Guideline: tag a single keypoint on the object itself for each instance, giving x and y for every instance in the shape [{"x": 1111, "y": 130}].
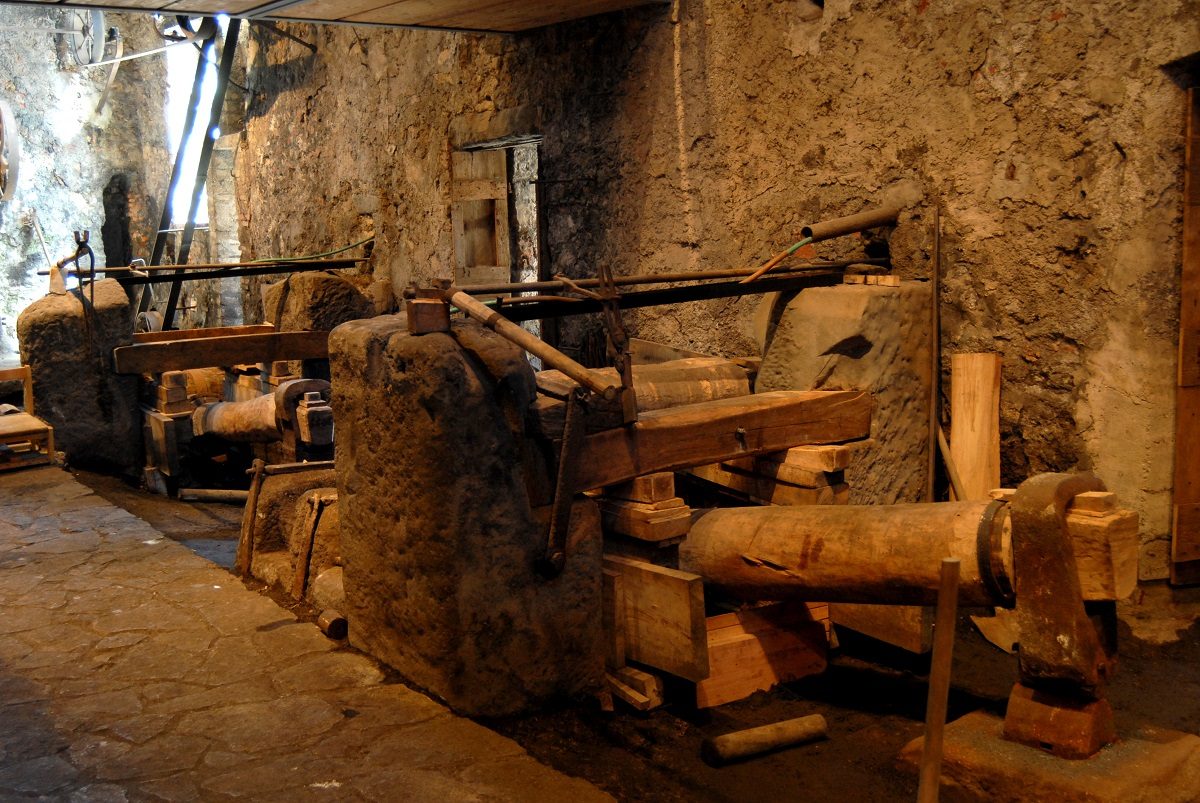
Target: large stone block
[
  {"x": 315, "y": 301},
  {"x": 68, "y": 343},
  {"x": 439, "y": 540},
  {"x": 860, "y": 337}
]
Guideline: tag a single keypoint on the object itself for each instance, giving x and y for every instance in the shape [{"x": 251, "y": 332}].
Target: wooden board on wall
[
  {"x": 479, "y": 216},
  {"x": 1185, "y": 539},
  {"x": 975, "y": 421}
]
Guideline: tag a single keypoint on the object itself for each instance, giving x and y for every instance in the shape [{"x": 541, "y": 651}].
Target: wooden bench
[{"x": 25, "y": 439}]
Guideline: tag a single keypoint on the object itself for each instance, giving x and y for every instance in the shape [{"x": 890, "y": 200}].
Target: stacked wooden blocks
[
  {"x": 646, "y": 509},
  {"x": 803, "y": 475}
]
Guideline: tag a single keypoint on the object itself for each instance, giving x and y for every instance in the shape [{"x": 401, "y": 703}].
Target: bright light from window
[{"x": 181, "y": 72}]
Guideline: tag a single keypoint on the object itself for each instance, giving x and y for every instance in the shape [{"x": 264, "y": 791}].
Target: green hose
[{"x": 318, "y": 256}]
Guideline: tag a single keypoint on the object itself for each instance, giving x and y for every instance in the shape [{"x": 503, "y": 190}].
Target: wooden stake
[
  {"x": 245, "y": 550},
  {"x": 935, "y": 354},
  {"x": 939, "y": 682}
]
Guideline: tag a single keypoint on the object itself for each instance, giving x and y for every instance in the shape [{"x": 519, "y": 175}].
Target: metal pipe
[
  {"x": 192, "y": 276},
  {"x": 531, "y": 343},
  {"x": 298, "y": 265},
  {"x": 839, "y": 227}
]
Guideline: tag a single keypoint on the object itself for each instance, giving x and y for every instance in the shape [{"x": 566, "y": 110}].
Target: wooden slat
[
  {"x": 742, "y": 663},
  {"x": 663, "y": 616},
  {"x": 208, "y": 352},
  {"x": 975, "y": 421},
  {"x": 696, "y": 434},
  {"x": 195, "y": 334},
  {"x": 328, "y": 9},
  {"x": 1185, "y": 538},
  {"x": 16, "y": 425}
]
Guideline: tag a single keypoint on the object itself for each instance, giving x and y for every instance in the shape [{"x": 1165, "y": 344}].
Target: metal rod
[
  {"x": 530, "y": 342},
  {"x": 228, "y": 50},
  {"x": 839, "y": 227},
  {"x": 658, "y": 278},
  {"x": 673, "y": 295},
  {"x": 194, "y": 275},
  {"x": 935, "y": 355},
  {"x": 939, "y": 682},
  {"x": 296, "y": 264}
]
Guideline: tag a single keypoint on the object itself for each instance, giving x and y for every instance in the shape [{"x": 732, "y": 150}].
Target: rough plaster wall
[
  {"x": 69, "y": 152},
  {"x": 704, "y": 135}
]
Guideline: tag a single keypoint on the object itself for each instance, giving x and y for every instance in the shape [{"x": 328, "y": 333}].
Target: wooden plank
[
  {"x": 645, "y": 521},
  {"x": 696, "y": 434},
  {"x": 497, "y": 15},
  {"x": 16, "y": 425},
  {"x": 612, "y": 611},
  {"x": 639, "y": 689},
  {"x": 194, "y": 334},
  {"x": 1185, "y": 530},
  {"x": 649, "y": 352},
  {"x": 909, "y": 627},
  {"x": 782, "y": 472},
  {"x": 208, "y": 352},
  {"x": 663, "y": 617},
  {"x": 975, "y": 421},
  {"x": 328, "y": 9}
]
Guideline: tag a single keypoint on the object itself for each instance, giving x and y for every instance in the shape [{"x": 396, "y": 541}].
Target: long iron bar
[
  {"x": 294, "y": 264},
  {"x": 671, "y": 295},
  {"x": 657, "y": 278},
  {"x": 232, "y": 273}
]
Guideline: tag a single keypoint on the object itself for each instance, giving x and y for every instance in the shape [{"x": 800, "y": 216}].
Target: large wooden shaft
[
  {"x": 883, "y": 554},
  {"x": 251, "y": 421}
]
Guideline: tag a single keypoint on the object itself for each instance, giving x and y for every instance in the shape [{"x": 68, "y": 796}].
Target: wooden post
[
  {"x": 975, "y": 422},
  {"x": 1185, "y": 539},
  {"x": 935, "y": 355},
  {"x": 245, "y": 549},
  {"x": 939, "y": 682}
]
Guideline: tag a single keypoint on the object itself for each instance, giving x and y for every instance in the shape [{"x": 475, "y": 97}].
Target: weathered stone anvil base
[{"x": 1147, "y": 764}]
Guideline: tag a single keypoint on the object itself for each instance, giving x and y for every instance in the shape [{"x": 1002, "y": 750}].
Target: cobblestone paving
[{"x": 132, "y": 669}]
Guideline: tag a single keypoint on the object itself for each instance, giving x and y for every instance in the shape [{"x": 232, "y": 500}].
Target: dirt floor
[{"x": 872, "y": 696}]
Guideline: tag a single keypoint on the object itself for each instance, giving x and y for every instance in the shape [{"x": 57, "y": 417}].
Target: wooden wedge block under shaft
[
  {"x": 754, "y": 650},
  {"x": 771, "y": 492},
  {"x": 657, "y": 487},
  {"x": 646, "y": 521},
  {"x": 834, "y": 457}
]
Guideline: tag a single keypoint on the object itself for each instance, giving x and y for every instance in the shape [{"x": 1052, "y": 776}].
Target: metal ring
[{"x": 988, "y": 547}]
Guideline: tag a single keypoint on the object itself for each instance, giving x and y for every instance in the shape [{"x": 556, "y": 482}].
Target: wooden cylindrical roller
[
  {"x": 753, "y": 741},
  {"x": 885, "y": 554}
]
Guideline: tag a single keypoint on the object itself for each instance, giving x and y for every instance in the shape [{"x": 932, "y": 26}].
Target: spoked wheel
[
  {"x": 10, "y": 153},
  {"x": 86, "y": 40}
]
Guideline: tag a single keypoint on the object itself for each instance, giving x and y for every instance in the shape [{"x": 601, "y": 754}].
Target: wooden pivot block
[
  {"x": 835, "y": 457},
  {"x": 782, "y": 472},
  {"x": 753, "y": 650},
  {"x": 657, "y": 487},
  {"x": 646, "y": 521},
  {"x": 771, "y": 492},
  {"x": 427, "y": 315},
  {"x": 1067, "y": 728}
]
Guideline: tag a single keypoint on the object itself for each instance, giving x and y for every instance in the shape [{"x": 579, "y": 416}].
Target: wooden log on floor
[
  {"x": 696, "y": 434},
  {"x": 755, "y": 741}
]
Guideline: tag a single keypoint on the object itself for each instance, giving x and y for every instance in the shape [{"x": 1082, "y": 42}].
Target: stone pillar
[
  {"x": 68, "y": 348},
  {"x": 439, "y": 540},
  {"x": 871, "y": 338}
]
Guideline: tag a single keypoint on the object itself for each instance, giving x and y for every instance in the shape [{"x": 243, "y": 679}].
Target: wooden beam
[
  {"x": 696, "y": 434},
  {"x": 1185, "y": 538},
  {"x": 195, "y": 334},
  {"x": 975, "y": 422},
  {"x": 208, "y": 352}
]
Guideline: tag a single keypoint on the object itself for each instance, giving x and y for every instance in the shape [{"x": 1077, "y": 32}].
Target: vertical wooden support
[
  {"x": 1185, "y": 541},
  {"x": 975, "y": 422},
  {"x": 939, "y": 682}
]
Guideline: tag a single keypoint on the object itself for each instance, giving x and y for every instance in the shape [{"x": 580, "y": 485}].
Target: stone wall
[
  {"x": 70, "y": 153},
  {"x": 705, "y": 133}
]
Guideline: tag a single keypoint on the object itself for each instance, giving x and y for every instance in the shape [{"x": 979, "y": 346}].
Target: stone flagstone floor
[{"x": 132, "y": 669}]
